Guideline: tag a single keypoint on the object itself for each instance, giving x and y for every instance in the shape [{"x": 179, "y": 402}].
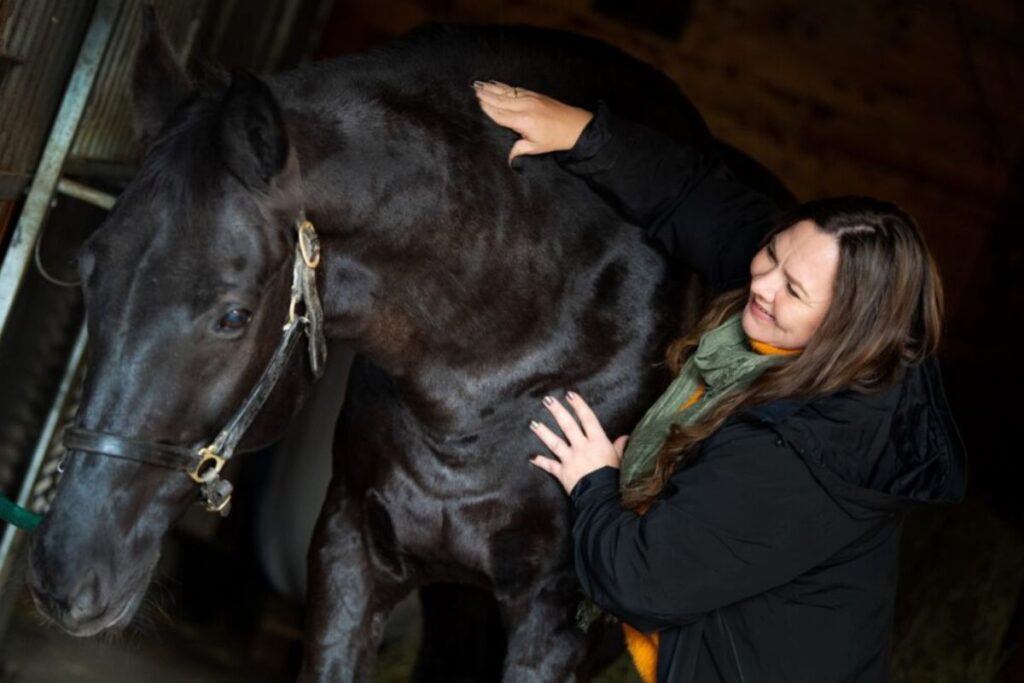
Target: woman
[{"x": 750, "y": 530}]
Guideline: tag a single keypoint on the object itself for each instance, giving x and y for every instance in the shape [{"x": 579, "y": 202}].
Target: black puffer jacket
[{"x": 773, "y": 555}]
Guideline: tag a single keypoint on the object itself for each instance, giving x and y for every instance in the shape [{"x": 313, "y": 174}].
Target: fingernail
[
  {"x": 548, "y": 400},
  {"x": 478, "y": 84},
  {"x": 571, "y": 395},
  {"x": 534, "y": 424}
]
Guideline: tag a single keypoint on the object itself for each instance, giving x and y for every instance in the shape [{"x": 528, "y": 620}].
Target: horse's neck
[
  {"x": 439, "y": 278},
  {"x": 407, "y": 270}
]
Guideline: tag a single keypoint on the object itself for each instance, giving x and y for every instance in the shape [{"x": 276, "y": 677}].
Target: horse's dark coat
[{"x": 469, "y": 289}]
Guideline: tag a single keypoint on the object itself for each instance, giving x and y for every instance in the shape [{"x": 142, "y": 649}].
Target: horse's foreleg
[
  {"x": 544, "y": 643},
  {"x": 348, "y": 602}
]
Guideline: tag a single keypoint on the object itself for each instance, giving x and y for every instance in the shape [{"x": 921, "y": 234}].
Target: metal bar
[
  {"x": 190, "y": 37},
  {"x": 42, "y": 446},
  {"x": 285, "y": 24},
  {"x": 88, "y": 194},
  {"x": 19, "y": 253}
]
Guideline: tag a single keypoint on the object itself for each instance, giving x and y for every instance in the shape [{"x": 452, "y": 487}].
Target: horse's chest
[
  {"x": 467, "y": 506},
  {"x": 498, "y": 530}
]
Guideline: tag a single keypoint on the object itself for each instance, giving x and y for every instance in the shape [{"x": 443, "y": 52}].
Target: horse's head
[{"x": 187, "y": 287}]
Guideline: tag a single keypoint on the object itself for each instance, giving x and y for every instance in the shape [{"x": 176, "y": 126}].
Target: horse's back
[{"x": 568, "y": 66}]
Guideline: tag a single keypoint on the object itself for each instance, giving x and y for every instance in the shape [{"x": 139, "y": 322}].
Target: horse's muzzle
[{"x": 83, "y": 603}]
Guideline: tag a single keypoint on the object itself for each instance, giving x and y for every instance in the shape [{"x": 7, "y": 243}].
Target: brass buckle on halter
[
  {"x": 210, "y": 507},
  {"x": 209, "y": 462},
  {"x": 309, "y": 244}
]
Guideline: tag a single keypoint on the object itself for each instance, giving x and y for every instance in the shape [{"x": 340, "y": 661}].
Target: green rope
[{"x": 17, "y": 515}]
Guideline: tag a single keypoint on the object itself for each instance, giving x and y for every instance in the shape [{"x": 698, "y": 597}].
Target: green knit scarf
[{"x": 723, "y": 364}]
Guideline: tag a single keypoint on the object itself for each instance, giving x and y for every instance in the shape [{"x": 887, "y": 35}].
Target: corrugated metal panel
[
  {"x": 41, "y": 39},
  {"x": 106, "y": 133}
]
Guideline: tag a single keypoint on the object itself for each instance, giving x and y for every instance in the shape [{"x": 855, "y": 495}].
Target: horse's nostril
[{"x": 86, "y": 601}]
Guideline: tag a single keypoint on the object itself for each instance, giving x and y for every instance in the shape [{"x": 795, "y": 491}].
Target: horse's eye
[{"x": 235, "y": 319}]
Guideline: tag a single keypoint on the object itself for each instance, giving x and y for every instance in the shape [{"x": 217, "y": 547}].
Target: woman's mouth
[{"x": 760, "y": 312}]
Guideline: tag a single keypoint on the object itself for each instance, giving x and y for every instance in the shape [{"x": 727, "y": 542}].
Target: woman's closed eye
[{"x": 770, "y": 251}]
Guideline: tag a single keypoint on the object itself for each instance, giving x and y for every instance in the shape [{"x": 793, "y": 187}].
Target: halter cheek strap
[{"x": 203, "y": 464}]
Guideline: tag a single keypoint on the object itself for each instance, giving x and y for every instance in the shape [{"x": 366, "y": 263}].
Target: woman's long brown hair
[{"x": 886, "y": 313}]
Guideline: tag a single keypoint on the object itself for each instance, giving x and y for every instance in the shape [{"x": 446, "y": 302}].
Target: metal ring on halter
[
  {"x": 309, "y": 244},
  {"x": 209, "y": 462}
]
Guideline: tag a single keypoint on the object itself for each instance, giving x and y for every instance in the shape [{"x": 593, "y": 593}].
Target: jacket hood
[{"x": 882, "y": 451}]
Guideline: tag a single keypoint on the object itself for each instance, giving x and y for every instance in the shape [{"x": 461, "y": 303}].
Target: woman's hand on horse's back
[
  {"x": 544, "y": 124},
  {"x": 585, "y": 447}
]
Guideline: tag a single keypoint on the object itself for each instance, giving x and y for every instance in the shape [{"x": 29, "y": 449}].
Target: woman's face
[{"x": 791, "y": 286}]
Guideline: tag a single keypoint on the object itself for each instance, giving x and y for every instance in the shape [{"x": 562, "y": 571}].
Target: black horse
[{"x": 469, "y": 290}]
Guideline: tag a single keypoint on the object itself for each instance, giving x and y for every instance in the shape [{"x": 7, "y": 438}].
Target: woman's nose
[
  {"x": 760, "y": 289},
  {"x": 764, "y": 285}
]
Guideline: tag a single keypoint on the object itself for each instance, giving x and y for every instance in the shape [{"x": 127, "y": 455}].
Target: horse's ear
[
  {"x": 254, "y": 143},
  {"x": 159, "y": 84}
]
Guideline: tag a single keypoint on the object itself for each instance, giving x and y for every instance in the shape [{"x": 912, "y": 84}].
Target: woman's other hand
[
  {"x": 585, "y": 447},
  {"x": 544, "y": 124}
]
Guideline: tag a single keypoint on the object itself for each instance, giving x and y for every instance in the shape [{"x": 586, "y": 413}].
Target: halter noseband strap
[{"x": 204, "y": 464}]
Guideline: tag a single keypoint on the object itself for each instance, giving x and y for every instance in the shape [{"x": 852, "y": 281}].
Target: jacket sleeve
[
  {"x": 686, "y": 199},
  {"x": 743, "y": 519}
]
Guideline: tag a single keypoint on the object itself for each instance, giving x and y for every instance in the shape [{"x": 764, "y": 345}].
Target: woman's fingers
[
  {"x": 591, "y": 425},
  {"x": 549, "y": 465},
  {"x": 506, "y": 101},
  {"x": 495, "y": 87},
  {"x": 506, "y": 96},
  {"x": 566, "y": 422},
  {"x": 554, "y": 443},
  {"x": 498, "y": 103},
  {"x": 503, "y": 111},
  {"x": 505, "y": 118},
  {"x": 500, "y": 115},
  {"x": 502, "y": 89},
  {"x": 522, "y": 146}
]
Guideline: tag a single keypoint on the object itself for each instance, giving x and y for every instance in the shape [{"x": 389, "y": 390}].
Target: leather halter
[{"x": 204, "y": 464}]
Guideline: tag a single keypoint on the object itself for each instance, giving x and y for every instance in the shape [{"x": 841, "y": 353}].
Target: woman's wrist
[
  {"x": 576, "y": 122},
  {"x": 606, "y": 475},
  {"x": 591, "y": 139}
]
